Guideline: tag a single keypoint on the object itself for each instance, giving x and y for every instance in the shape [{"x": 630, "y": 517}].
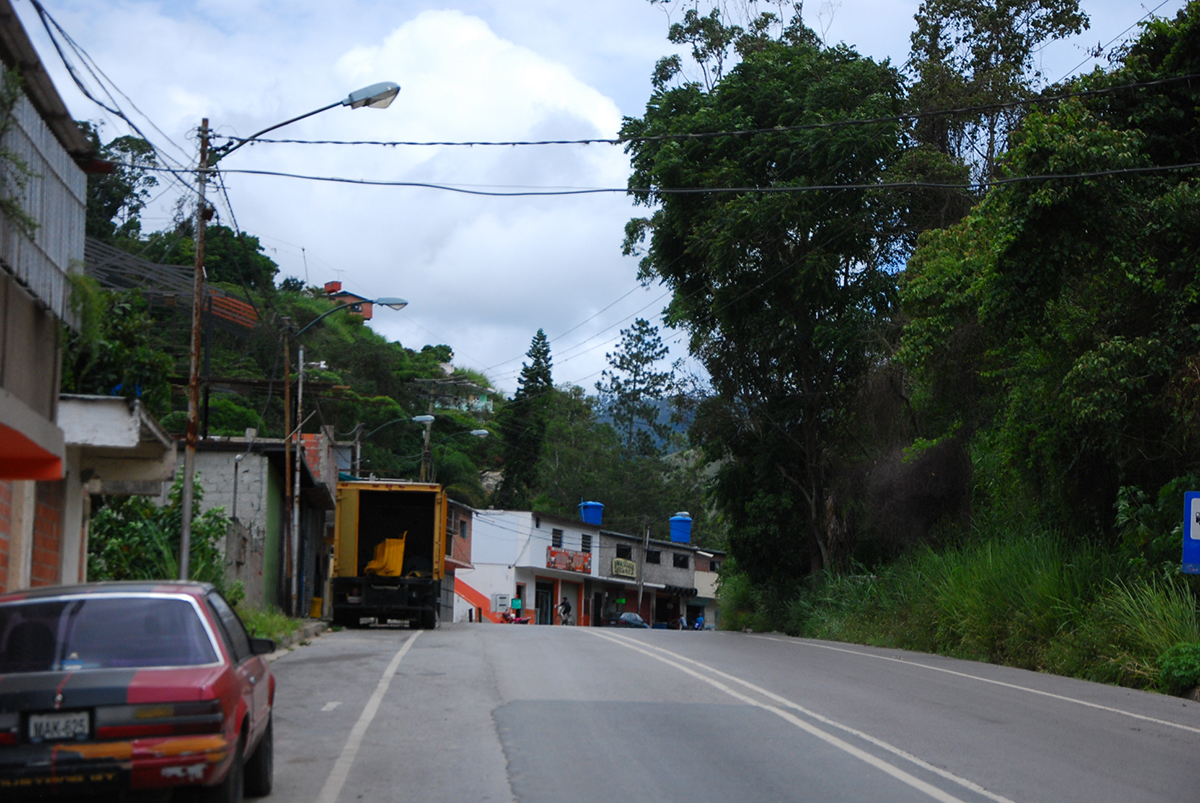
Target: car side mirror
[{"x": 262, "y": 646}]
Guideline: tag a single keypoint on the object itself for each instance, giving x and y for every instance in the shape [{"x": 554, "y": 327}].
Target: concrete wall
[{"x": 257, "y": 510}]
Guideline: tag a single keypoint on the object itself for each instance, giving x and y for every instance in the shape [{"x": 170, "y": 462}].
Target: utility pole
[
  {"x": 642, "y": 567},
  {"x": 426, "y": 455},
  {"x": 193, "y": 415},
  {"x": 287, "y": 452},
  {"x": 295, "y": 562}
]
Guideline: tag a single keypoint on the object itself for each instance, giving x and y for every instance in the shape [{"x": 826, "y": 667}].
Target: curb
[{"x": 301, "y": 636}]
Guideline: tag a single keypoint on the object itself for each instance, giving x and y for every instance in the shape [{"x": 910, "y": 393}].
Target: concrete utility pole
[
  {"x": 193, "y": 414},
  {"x": 642, "y": 568}
]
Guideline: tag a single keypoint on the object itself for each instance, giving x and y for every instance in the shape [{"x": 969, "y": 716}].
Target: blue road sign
[{"x": 1191, "y": 532}]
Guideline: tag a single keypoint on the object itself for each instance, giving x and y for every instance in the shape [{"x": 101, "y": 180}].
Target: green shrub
[
  {"x": 132, "y": 538},
  {"x": 1179, "y": 667}
]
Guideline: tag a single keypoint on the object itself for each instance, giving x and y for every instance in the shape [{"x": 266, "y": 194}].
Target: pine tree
[
  {"x": 523, "y": 427},
  {"x": 633, "y": 389}
]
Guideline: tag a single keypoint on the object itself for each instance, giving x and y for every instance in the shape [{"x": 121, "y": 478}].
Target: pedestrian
[
  {"x": 683, "y": 622},
  {"x": 564, "y": 611},
  {"x": 700, "y": 622}
]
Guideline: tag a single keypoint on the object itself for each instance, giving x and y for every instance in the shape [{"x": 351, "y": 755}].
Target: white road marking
[
  {"x": 341, "y": 768},
  {"x": 974, "y": 787},
  {"x": 1052, "y": 695},
  {"x": 891, "y": 769},
  {"x": 331, "y": 705}
]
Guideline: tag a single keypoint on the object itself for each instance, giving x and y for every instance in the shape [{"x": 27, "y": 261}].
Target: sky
[{"x": 481, "y": 274}]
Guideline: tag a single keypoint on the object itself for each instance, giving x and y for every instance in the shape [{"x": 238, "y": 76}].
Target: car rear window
[{"x": 101, "y": 633}]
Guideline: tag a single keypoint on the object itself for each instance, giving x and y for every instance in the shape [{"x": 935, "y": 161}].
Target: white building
[{"x": 529, "y": 562}]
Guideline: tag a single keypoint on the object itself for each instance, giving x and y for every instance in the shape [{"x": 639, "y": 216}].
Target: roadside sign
[{"x": 1191, "y": 532}]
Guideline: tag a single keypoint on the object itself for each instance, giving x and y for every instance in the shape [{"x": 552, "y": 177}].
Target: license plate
[{"x": 58, "y": 726}]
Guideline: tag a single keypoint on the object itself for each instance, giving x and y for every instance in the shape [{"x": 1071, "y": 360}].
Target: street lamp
[
  {"x": 377, "y": 96},
  {"x": 292, "y": 477},
  {"x": 359, "y": 438}
]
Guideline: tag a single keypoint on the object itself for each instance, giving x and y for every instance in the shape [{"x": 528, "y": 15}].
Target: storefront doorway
[{"x": 544, "y": 600}]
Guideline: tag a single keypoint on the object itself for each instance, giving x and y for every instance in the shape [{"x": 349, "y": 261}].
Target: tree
[
  {"x": 116, "y": 199},
  {"x": 633, "y": 390},
  {"x": 523, "y": 426},
  {"x": 232, "y": 257},
  {"x": 780, "y": 292},
  {"x": 1068, "y": 308},
  {"x": 980, "y": 53},
  {"x": 112, "y": 352}
]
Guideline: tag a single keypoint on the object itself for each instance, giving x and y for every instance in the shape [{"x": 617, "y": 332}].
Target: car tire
[
  {"x": 230, "y": 790},
  {"x": 260, "y": 769}
]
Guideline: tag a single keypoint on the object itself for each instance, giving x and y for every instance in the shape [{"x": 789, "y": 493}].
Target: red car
[{"x": 109, "y": 687}]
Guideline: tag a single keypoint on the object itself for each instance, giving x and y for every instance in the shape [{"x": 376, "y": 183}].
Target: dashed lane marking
[{"x": 341, "y": 768}]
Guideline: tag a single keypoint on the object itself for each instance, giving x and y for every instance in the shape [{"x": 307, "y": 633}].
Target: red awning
[{"x": 22, "y": 459}]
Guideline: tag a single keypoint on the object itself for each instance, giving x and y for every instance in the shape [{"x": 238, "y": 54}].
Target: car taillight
[
  {"x": 163, "y": 719},
  {"x": 9, "y": 727}
]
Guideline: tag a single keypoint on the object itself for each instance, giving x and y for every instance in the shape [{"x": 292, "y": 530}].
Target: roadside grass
[
  {"x": 270, "y": 623},
  {"x": 1030, "y": 599}
]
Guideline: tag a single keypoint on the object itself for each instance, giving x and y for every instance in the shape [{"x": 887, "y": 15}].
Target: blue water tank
[
  {"x": 681, "y": 528},
  {"x": 591, "y": 512}
]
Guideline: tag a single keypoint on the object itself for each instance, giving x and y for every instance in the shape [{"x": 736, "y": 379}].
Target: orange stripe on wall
[{"x": 476, "y": 599}]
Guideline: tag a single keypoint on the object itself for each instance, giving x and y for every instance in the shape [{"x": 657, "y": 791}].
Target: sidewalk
[{"x": 310, "y": 629}]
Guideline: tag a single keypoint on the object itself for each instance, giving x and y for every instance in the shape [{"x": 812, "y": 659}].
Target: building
[
  {"x": 34, "y": 303},
  {"x": 528, "y": 562},
  {"x": 248, "y": 478},
  {"x": 362, "y": 307},
  {"x": 459, "y": 519}
]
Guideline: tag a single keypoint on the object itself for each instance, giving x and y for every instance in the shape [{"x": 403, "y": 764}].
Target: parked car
[
  {"x": 132, "y": 686},
  {"x": 630, "y": 619}
]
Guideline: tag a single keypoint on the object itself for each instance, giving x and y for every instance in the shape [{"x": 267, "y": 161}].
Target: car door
[{"x": 251, "y": 668}]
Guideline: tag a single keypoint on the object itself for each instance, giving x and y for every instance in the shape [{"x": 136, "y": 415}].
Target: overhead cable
[{"x": 830, "y": 124}]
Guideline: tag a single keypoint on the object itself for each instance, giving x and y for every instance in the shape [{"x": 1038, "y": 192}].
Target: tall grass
[{"x": 1030, "y": 599}]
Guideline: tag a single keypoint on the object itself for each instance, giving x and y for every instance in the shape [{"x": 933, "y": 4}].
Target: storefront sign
[
  {"x": 568, "y": 560},
  {"x": 623, "y": 567}
]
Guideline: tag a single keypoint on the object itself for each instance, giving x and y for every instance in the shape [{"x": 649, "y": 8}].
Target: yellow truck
[{"x": 389, "y": 549}]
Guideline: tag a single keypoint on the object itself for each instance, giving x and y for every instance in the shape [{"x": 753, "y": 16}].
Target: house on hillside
[{"x": 35, "y": 549}]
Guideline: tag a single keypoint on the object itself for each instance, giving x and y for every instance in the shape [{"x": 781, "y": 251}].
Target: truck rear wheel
[{"x": 429, "y": 620}]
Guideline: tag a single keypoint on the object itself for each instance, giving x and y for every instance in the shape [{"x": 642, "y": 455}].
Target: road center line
[
  {"x": 783, "y": 701},
  {"x": 891, "y": 769},
  {"x": 1052, "y": 695},
  {"x": 341, "y": 768}
]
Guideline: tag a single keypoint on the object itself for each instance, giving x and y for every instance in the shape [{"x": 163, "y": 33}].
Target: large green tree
[
  {"x": 633, "y": 389},
  {"x": 780, "y": 291},
  {"x": 523, "y": 426},
  {"x": 1061, "y": 317},
  {"x": 973, "y": 53},
  {"x": 115, "y": 199}
]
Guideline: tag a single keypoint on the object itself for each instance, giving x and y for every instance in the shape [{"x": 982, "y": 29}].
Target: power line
[
  {"x": 657, "y": 191},
  {"x": 830, "y": 124}
]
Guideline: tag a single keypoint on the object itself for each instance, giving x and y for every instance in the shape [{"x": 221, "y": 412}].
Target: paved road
[{"x": 477, "y": 713}]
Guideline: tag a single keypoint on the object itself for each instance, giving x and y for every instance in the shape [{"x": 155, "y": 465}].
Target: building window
[
  {"x": 624, "y": 552},
  {"x": 713, "y": 565},
  {"x": 556, "y": 538},
  {"x": 585, "y": 543},
  {"x": 680, "y": 560},
  {"x": 450, "y": 539},
  {"x": 653, "y": 556}
]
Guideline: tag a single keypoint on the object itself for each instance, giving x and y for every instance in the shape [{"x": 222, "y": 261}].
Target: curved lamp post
[
  {"x": 377, "y": 96},
  {"x": 427, "y": 420},
  {"x": 292, "y": 475}
]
